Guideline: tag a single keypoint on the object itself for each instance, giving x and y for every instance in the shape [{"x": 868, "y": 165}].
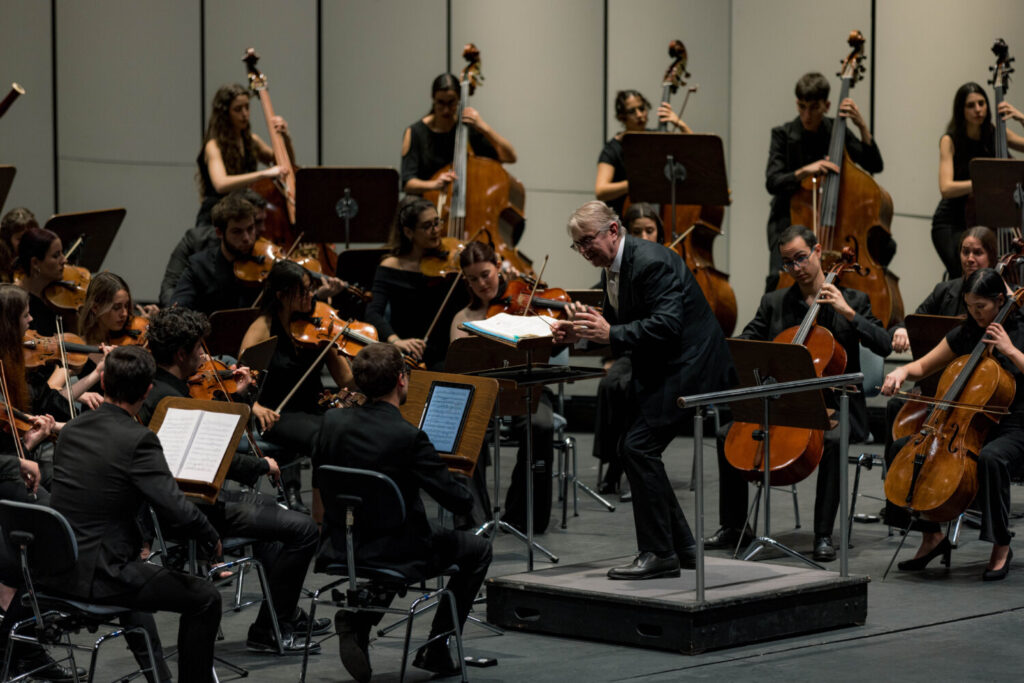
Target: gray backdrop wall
[{"x": 118, "y": 91}]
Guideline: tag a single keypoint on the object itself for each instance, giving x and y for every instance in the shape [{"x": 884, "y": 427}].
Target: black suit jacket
[
  {"x": 946, "y": 299},
  {"x": 106, "y": 466},
  {"x": 664, "y": 323},
  {"x": 377, "y": 437},
  {"x": 208, "y": 284}
]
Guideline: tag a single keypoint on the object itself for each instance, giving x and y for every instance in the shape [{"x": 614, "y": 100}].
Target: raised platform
[{"x": 745, "y": 602}]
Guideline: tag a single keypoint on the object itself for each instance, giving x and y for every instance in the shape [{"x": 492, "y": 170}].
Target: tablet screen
[{"x": 444, "y": 414}]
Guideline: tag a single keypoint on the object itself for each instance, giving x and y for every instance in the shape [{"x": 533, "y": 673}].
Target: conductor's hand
[
  {"x": 588, "y": 323},
  {"x": 265, "y": 417},
  {"x": 831, "y": 296},
  {"x": 893, "y": 381},
  {"x": 900, "y": 340},
  {"x": 563, "y": 333}
]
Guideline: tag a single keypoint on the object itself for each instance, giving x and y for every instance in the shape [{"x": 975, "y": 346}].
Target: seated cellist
[{"x": 846, "y": 313}]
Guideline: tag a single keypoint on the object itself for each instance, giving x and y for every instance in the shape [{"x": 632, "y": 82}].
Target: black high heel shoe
[
  {"x": 944, "y": 548},
  {"x": 998, "y": 574}
]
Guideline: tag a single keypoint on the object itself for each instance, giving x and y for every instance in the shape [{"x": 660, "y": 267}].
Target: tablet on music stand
[{"x": 444, "y": 414}]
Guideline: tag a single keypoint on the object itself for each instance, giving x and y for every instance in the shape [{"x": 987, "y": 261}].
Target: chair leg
[
  {"x": 796, "y": 506},
  {"x": 458, "y": 636}
]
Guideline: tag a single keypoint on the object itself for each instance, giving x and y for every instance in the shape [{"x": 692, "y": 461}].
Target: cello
[
  {"x": 483, "y": 196},
  {"x": 935, "y": 474},
  {"x": 850, "y": 209},
  {"x": 694, "y": 227},
  {"x": 798, "y": 451}
]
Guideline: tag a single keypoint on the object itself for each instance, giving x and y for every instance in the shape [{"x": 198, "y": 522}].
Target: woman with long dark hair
[{"x": 969, "y": 134}]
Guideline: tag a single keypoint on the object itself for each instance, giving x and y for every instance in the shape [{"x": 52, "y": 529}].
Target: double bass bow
[
  {"x": 796, "y": 451},
  {"x": 850, "y": 209},
  {"x": 935, "y": 473}
]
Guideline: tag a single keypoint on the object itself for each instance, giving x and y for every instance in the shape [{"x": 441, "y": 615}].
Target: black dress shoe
[
  {"x": 300, "y": 623},
  {"x": 49, "y": 671},
  {"x": 647, "y": 565},
  {"x": 353, "y": 643},
  {"x": 293, "y": 497},
  {"x": 437, "y": 659},
  {"x": 607, "y": 488},
  {"x": 687, "y": 557},
  {"x": 824, "y": 551},
  {"x": 626, "y": 497},
  {"x": 998, "y": 574},
  {"x": 943, "y": 548},
  {"x": 727, "y": 538},
  {"x": 292, "y": 643}
]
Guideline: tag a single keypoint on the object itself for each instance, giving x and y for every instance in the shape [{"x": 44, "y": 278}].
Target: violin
[
  {"x": 850, "y": 209},
  {"x": 517, "y": 298},
  {"x": 40, "y": 350},
  {"x": 212, "y": 380},
  {"x": 935, "y": 473},
  {"x": 132, "y": 334},
  {"x": 253, "y": 268},
  {"x": 343, "y": 398},
  {"x": 69, "y": 292},
  {"x": 323, "y": 324},
  {"x": 796, "y": 451}
]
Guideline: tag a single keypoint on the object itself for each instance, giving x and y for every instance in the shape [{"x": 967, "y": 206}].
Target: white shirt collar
[{"x": 617, "y": 263}]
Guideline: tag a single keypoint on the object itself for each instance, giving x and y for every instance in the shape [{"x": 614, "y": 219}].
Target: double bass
[
  {"x": 936, "y": 473},
  {"x": 483, "y": 197},
  {"x": 850, "y": 209},
  {"x": 692, "y": 228},
  {"x": 1000, "y": 83},
  {"x": 796, "y": 452}
]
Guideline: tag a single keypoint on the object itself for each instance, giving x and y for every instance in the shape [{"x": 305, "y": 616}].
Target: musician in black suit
[
  {"x": 106, "y": 467},
  {"x": 653, "y": 310},
  {"x": 376, "y": 437},
  {"x": 799, "y": 149},
  {"x": 846, "y": 313}
]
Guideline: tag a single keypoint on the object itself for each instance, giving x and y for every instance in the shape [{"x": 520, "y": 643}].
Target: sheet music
[
  {"x": 443, "y": 416},
  {"x": 514, "y": 327},
  {"x": 175, "y": 434},
  {"x": 208, "y": 446}
]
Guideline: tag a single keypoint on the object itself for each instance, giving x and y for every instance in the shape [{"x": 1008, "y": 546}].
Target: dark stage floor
[{"x": 937, "y": 625}]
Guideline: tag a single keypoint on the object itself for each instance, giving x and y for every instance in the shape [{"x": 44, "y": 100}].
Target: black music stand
[
  {"x": 7, "y": 174},
  {"x": 96, "y": 229},
  {"x": 998, "y": 186},
  {"x": 342, "y": 204},
  {"x": 228, "y": 328},
  {"x": 759, "y": 363},
  {"x": 925, "y": 332},
  {"x": 668, "y": 168}
]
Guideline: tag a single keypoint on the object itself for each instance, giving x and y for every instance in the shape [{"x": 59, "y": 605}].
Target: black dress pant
[
  {"x": 543, "y": 457},
  {"x": 612, "y": 415},
  {"x": 732, "y": 493},
  {"x": 945, "y": 238},
  {"x": 661, "y": 527},
  {"x": 296, "y": 432}
]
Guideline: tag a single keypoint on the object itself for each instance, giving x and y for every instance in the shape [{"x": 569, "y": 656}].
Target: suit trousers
[
  {"x": 732, "y": 491},
  {"x": 661, "y": 527},
  {"x": 613, "y": 394}
]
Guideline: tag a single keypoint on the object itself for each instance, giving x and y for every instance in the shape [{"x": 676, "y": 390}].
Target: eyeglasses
[
  {"x": 429, "y": 225},
  {"x": 798, "y": 262},
  {"x": 584, "y": 243}
]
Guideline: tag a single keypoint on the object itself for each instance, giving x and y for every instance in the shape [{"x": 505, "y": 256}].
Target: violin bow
[
  {"x": 64, "y": 362},
  {"x": 312, "y": 365},
  {"x": 19, "y": 447},
  {"x": 928, "y": 400}
]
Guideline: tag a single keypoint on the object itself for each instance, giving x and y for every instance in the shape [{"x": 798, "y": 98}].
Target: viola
[
  {"x": 254, "y": 267},
  {"x": 448, "y": 264},
  {"x": 517, "y": 298},
  {"x": 850, "y": 209},
  {"x": 483, "y": 195},
  {"x": 40, "y": 350},
  {"x": 132, "y": 334},
  {"x": 343, "y": 398},
  {"x": 212, "y": 380},
  {"x": 69, "y": 292},
  {"x": 935, "y": 473},
  {"x": 796, "y": 451},
  {"x": 22, "y": 421},
  {"x": 323, "y": 324}
]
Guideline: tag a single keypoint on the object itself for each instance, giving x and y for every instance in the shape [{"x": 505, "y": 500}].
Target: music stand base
[
  {"x": 761, "y": 542},
  {"x": 491, "y": 524}
]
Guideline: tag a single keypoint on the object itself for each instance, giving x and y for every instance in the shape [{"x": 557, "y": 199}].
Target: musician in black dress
[
  {"x": 799, "y": 149},
  {"x": 1002, "y": 456},
  {"x": 429, "y": 144},
  {"x": 631, "y": 109},
  {"x": 969, "y": 134}
]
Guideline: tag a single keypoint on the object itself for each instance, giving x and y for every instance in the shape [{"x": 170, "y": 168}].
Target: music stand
[
  {"x": 668, "y": 168},
  {"x": 998, "y": 186},
  {"x": 97, "y": 230},
  {"x": 358, "y": 266},
  {"x": 257, "y": 357},
  {"x": 7, "y": 173},
  {"x": 228, "y": 328},
  {"x": 335, "y": 204},
  {"x": 925, "y": 332},
  {"x": 759, "y": 363}
]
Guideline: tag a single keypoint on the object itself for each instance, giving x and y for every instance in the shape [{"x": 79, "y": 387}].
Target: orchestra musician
[
  {"x": 611, "y": 419},
  {"x": 411, "y": 297},
  {"x": 655, "y": 311},
  {"x": 1002, "y": 456},
  {"x": 231, "y": 152},
  {"x": 969, "y": 134},
  {"x": 846, "y": 313},
  {"x": 41, "y": 258},
  {"x": 106, "y": 466},
  {"x": 12, "y": 226},
  {"x": 287, "y": 293},
  {"x": 798, "y": 150},
  {"x": 486, "y": 283},
  {"x": 428, "y": 145},
  {"x": 631, "y": 108},
  {"x": 287, "y": 539},
  {"x": 202, "y": 237},
  {"x": 375, "y": 436}
]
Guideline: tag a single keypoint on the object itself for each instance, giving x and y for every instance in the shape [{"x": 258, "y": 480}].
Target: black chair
[
  {"x": 370, "y": 502},
  {"x": 46, "y": 547}
]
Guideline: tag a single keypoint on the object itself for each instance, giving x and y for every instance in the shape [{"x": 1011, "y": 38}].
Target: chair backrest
[
  {"x": 52, "y": 548},
  {"x": 873, "y": 367},
  {"x": 381, "y": 508}
]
